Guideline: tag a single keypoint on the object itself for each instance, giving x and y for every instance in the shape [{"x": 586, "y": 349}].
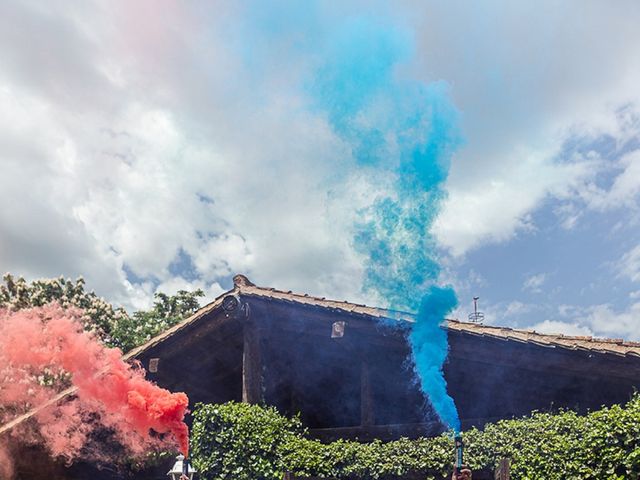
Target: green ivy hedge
[{"x": 247, "y": 442}]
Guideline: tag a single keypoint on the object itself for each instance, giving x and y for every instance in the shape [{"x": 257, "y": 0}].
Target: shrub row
[{"x": 248, "y": 442}]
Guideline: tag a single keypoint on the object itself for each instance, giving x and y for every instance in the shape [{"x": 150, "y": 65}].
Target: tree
[
  {"x": 113, "y": 325},
  {"x": 166, "y": 312}
]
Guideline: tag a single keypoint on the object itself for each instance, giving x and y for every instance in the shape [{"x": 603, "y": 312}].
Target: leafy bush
[
  {"x": 247, "y": 442},
  {"x": 238, "y": 440}
]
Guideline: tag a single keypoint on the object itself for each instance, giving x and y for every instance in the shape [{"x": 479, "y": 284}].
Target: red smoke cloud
[{"x": 47, "y": 345}]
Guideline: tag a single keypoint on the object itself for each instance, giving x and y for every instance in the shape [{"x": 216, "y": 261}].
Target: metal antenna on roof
[{"x": 476, "y": 316}]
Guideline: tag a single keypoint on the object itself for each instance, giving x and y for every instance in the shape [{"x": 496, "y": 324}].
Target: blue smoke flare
[
  {"x": 403, "y": 130},
  {"x": 408, "y": 130}
]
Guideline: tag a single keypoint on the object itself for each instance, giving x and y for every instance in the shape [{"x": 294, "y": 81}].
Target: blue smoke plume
[
  {"x": 409, "y": 131},
  {"x": 404, "y": 130}
]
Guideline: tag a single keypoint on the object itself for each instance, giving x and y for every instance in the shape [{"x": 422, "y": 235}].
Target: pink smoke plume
[{"x": 45, "y": 349}]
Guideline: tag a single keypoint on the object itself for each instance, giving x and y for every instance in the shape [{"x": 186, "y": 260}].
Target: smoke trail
[
  {"x": 407, "y": 131},
  {"x": 44, "y": 350},
  {"x": 401, "y": 134}
]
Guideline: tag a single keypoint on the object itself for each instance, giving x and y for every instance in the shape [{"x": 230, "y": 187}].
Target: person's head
[{"x": 463, "y": 474}]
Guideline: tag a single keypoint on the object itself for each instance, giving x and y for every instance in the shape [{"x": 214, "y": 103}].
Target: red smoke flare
[{"x": 46, "y": 345}]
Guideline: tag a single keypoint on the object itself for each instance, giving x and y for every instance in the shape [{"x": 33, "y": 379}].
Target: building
[{"x": 346, "y": 367}]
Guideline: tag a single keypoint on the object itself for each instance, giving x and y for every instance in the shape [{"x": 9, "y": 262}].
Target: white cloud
[
  {"x": 124, "y": 142},
  {"x": 626, "y": 187},
  {"x": 518, "y": 115},
  {"x": 606, "y": 321},
  {"x": 624, "y": 190},
  {"x": 569, "y": 311},
  {"x": 602, "y": 320},
  {"x": 498, "y": 206},
  {"x": 569, "y": 214},
  {"x": 629, "y": 264},
  {"x": 140, "y": 171},
  {"x": 136, "y": 193},
  {"x": 495, "y": 208},
  {"x": 534, "y": 282},
  {"x": 558, "y": 327},
  {"x": 517, "y": 308}
]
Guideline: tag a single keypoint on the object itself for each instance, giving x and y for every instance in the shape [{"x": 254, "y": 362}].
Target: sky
[{"x": 158, "y": 145}]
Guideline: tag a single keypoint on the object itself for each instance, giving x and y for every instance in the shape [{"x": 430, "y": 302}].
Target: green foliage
[
  {"x": 145, "y": 324},
  {"x": 241, "y": 441},
  {"x": 114, "y": 326},
  {"x": 246, "y": 442}
]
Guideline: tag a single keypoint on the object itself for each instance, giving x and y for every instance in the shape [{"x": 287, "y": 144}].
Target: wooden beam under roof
[
  {"x": 367, "y": 416},
  {"x": 251, "y": 364}
]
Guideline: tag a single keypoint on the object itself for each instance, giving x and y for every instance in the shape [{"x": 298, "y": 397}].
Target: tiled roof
[
  {"x": 614, "y": 346},
  {"x": 245, "y": 287}
]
